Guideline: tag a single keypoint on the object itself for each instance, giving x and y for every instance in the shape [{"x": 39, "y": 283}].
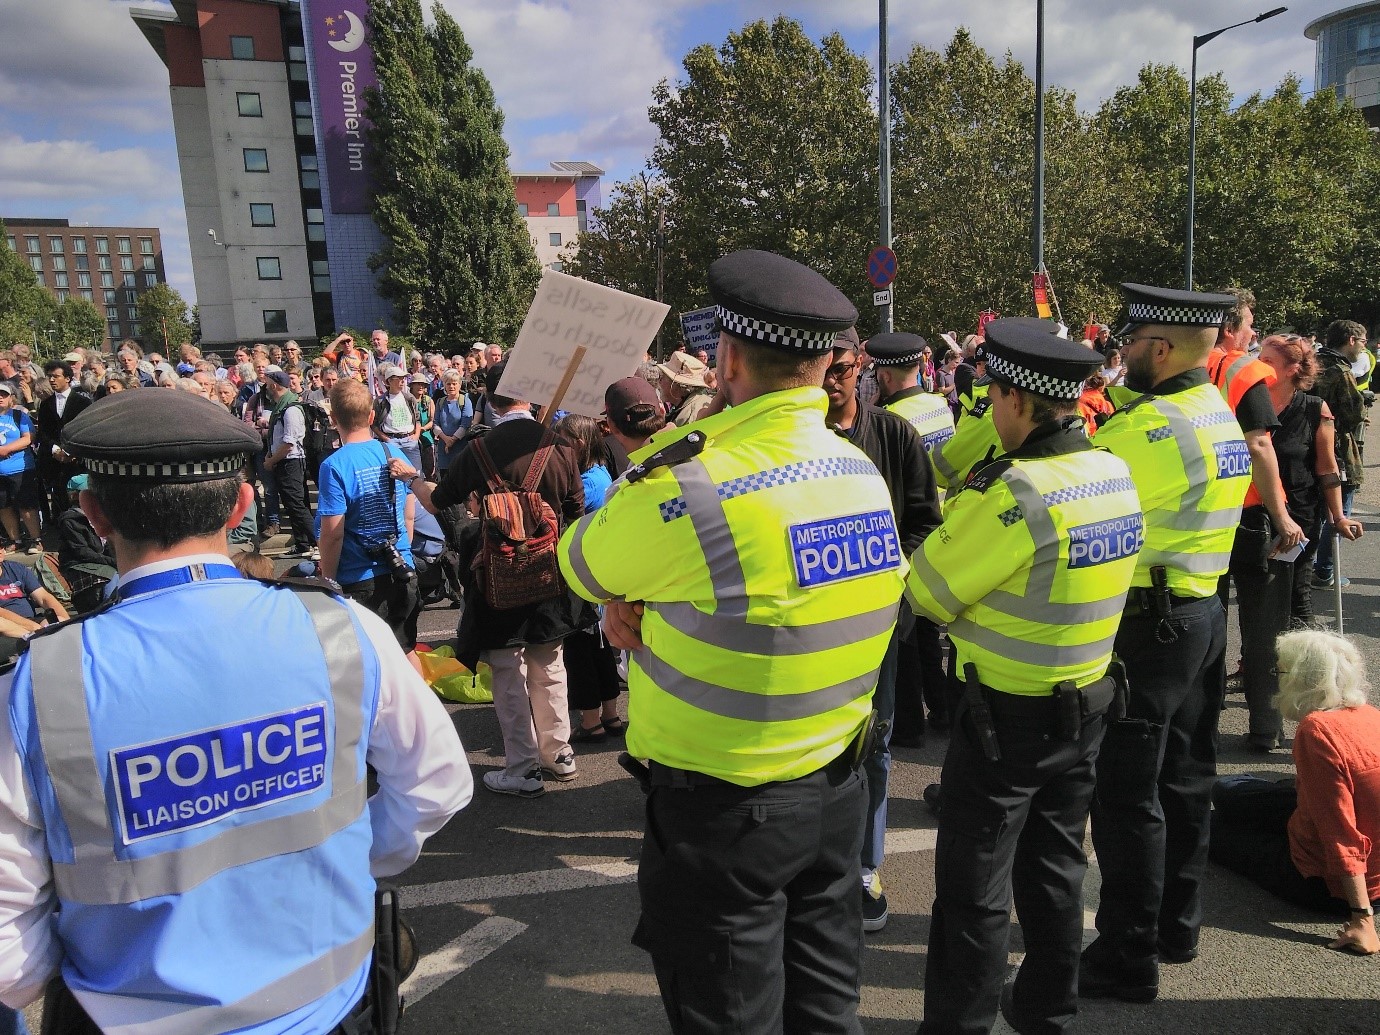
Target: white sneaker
[
  {"x": 562, "y": 769},
  {"x": 501, "y": 782}
]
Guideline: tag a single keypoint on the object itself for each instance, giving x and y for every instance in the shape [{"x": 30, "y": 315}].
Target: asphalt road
[{"x": 524, "y": 909}]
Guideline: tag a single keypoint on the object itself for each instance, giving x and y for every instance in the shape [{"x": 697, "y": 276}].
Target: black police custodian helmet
[
  {"x": 768, "y": 299},
  {"x": 160, "y": 436},
  {"x": 1029, "y": 354}
]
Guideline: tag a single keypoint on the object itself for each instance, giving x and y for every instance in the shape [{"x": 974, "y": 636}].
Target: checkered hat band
[
  {"x": 1191, "y": 315},
  {"x": 170, "y": 472},
  {"x": 1031, "y": 380},
  {"x": 794, "y": 338},
  {"x": 909, "y": 359}
]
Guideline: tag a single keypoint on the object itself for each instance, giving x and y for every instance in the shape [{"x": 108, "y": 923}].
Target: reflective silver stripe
[
  {"x": 1045, "y": 564},
  {"x": 1191, "y": 563},
  {"x": 1047, "y": 612},
  {"x": 1190, "y": 454},
  {"x": 739, "y": 704},
  {"x": 97, "y": 877},
  {"x": 934, "y": 582},
  {"x": 579, "y": 565},
  {"x": 706, "y": 512},
  {"x": 945, "y": 469},
  {"x": 1198, "y": 521},
  {"x": 1044, "y": 654},
  {"x": 732, "y": 633},
  {"x": 304, "y": 985}
]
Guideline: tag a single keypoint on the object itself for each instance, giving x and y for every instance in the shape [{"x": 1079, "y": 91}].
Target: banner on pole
[
  {"x": 1041, "y": 285},
  {"x": 614, "y": 328}
]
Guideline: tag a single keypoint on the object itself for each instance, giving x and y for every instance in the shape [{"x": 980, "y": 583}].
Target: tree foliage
[
  {"x": 770, "y": 141},
  {"x": 26, "y": 309},
  {"x": 457, "y": 263},
  {"x": 163, "y": 315},
  {"x": 79, "y": 324}
]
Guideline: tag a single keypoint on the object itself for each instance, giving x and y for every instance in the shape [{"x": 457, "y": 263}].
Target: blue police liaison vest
[{"x": 204, "y": 800}]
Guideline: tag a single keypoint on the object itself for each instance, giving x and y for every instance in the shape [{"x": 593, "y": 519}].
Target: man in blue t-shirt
[
  {"x": 21, "y": 492},
  {"x": 20, "y": 595},
  {"x": 363, "y": 515}
]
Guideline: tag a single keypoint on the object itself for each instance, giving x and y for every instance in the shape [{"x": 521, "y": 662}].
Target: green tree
[
  {"x": 79, "y": 325},
  {"x": 26, "y": 309},
  {"x": 457, "y": 263},
  {"x": 769, "y": 142},
  {"x": 163, "y": 315}
]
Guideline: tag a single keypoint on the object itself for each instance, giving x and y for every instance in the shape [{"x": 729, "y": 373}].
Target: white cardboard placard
[{"x": 700, "y": 330}]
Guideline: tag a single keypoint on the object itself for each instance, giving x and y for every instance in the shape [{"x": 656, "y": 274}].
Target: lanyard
[{"x": 177, "y": 577}]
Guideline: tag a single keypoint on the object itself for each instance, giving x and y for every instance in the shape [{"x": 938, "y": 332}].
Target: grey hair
[
  {"x": 1319, "y": 671},
  {"x": 246, "y": 371},
  {"x": 451, "y": 374}
]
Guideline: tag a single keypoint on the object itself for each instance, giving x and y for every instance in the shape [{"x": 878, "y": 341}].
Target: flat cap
[
  {"x": 160, "y": 437},
  {"x": 279, "y": 378},
  {"x": 1029, "y": 354},
  {"x": 771, "y": 300},
  {"x": 896, "y": 349},
  {"x": 1146, "y": 304}
]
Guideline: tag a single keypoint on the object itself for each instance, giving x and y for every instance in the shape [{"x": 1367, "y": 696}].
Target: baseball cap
[{"x": 622, "y": 396}]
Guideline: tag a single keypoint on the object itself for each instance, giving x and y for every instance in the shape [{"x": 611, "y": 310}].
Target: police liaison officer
[
  {"x": 1030, "y": 570},
  {"x": 762, "y": 551},
  {"x": 1191, "y": 467},
  {"x": 186, "y": 844}
]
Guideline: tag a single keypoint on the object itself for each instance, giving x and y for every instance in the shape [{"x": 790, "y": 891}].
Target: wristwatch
[{"x": 1362, "y": 910}]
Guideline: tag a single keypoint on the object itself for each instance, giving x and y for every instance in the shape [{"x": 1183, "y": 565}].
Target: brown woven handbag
[{"x": 516, "y": 562}]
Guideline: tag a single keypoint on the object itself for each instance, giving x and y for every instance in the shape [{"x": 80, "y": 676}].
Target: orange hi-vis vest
[{"x": 1235, "y": 373}]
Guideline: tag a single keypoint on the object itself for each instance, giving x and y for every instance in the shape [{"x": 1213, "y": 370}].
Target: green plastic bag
[{"x": 452, "y": 680}]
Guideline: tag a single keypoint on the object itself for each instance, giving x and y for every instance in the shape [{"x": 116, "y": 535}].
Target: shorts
[{"x": 21, "y": 490}]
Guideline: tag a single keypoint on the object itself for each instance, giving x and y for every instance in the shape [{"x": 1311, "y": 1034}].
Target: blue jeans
[
  {"x": 1322, "y": 565},
  {"x": 12, "y": 1022}
]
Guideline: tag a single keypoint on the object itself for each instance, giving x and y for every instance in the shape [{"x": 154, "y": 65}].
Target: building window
[
  {"x": 38, "y": 278},
  {"x": 133, "y": 314},
  {"x": 320, "y": 268},
  {"x": 83, "y": 280},
  {"x": 557, "y": 267},
  {"x": 107, "y": 280},
  {"x": 111, "y": 312},
  {"x": 150, "y": 279},
  {"x": 55, "y": 245},
  {"x": 9, "y": 240},
  {"x": 124, "y": 246},
  {"x": 242, "y": 48},
  {"x": 261, "y": 214},
  {"x": 59, "y": 262},
  {"x": 129, "y": 294},
  {"x": 581, "y": 216},
  {"x": 146, "y": 246},
  {"x": 250, "y": 105},
  {"x": 302, "y": 109},
  {"x": 79, "y": 245},
  {"x": 555, "y": 240},
  {"x": 31, "y": 245},
  {"x": 61, "y": 296},
  {"x": 311, "y": 180},
  {"x": 275, "y": 321},
  {"x": 102, "y": 262},
  {"x": 303, "y": 127},
  {"x": 149, "y": 263},
  {"x": 270, "y": 268},
  {"x": 126, "y": 262},
  {"x": 553, "y": 208},
  {"x": 129, "y": 280},
  {"x": 102, "y": 246},
  {"x": 308, "y": 162},
  {"x": 36, "y": 263},
  {"x": 255, "y": 160},
  {"x": 60, "y": 279},
  {"x": 297, "y": 71},
  {"x": 86, "y": 294},
  {"x": 315, "y": 215},
  {"x": 109, "y": 297},
  {"x": 522, "y": 209}
]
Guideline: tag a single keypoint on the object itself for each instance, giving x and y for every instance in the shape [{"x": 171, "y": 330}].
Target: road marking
[
  {"x": 454, "y": 958},
  {"x": 901, "y": 842},
  {"x": 580, "y": 872}
]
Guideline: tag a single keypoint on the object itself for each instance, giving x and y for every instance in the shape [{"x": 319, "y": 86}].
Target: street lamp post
[
  {"x": 1198, "y": 41},
  {"x": 884, "y": 148}
]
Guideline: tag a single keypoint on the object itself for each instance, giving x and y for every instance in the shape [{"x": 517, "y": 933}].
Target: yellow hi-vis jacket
[
  {"x": 974, "y": 440},
  {"x": 1031, "y": 566},
  {"x": 1192, "y": 469},
  {"x": 927, "y": 413},
  {"x": 771, "y": 569}
]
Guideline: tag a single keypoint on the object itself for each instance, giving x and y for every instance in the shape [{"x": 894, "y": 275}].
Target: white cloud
[{"x": 74, "y": 169}]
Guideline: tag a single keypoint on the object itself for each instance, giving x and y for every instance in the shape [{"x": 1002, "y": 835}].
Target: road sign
[
  {"x": 881, "y": 298},
  {"x": 881, "y": 267}
]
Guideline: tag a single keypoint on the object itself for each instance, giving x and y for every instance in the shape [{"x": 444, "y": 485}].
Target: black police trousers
[
  {"x": 1154, "y": 782},
  {"x": 751, "y": 908},
  {"x": 1010, "y": 828}
]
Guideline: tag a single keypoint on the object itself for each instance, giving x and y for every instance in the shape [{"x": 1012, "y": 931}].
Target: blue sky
[{"x": 86, "y": 125}]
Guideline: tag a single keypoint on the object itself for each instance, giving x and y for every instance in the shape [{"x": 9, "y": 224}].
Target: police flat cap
[
  {"x": 896, "y": 349},
  {"x": 771, "y": 300},
  {"x": 1029, "y": 354},
  {"x": 160, "y": 436},
  {"x": 1145, "y": 304}
]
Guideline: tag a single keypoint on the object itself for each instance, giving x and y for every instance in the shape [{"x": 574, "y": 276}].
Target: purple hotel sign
[{"x": 343, "y": 60}]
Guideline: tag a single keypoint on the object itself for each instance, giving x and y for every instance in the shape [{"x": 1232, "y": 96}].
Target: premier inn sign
[{"x": 343, "y": 66}]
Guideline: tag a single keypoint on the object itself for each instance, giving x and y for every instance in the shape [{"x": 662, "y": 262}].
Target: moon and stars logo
[{"x": 345, "y": 33}]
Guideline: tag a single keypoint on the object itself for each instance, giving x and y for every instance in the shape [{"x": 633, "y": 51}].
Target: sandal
[
  {"x": 614, "y": 727},
  {"x": 588, "y": 734}
]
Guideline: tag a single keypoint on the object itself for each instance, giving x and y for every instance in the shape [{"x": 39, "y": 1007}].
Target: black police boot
[{"x": 1105, "y": 973}]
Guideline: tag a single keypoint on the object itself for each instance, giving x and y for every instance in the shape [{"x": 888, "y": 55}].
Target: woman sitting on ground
[{"x": 1314, "y": 841}]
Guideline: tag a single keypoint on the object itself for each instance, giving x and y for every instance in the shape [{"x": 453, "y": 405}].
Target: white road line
[
  {"x": 899, "y": 842},
  {"x": 436, "y": 968},
  {"x": 584, "y": 872}
]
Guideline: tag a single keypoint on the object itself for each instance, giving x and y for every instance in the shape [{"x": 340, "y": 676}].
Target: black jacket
[
  {"x": 78, "y": 542},
  {"x": 893, "y": 445}
]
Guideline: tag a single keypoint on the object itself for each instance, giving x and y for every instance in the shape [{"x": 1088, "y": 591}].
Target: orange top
[
  {"x": 1235, "y": 373},
  {"x": 1331, "y": 834},
  {"x": 1091, "y": 403}
]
